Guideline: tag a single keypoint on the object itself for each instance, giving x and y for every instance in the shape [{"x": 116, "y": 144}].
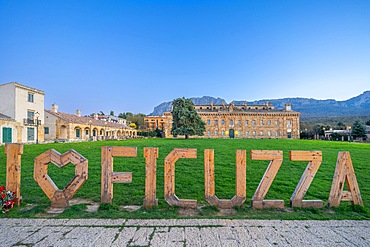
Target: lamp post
[
  {"x": 324, "y": 133},
  {"x": 349, "y": 130},
  {"x": 37, "y": 115},
  {"x": 105, "y": 130},
  {"x": 90, "y": 129},
  {"x": 306, "y": 134}
]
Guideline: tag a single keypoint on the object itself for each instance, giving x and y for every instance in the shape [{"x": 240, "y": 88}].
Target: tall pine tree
[{"x": 186, "y": 120}]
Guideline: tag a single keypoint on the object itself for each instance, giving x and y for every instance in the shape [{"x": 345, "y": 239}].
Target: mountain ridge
[{"x": 308, "y": 107}]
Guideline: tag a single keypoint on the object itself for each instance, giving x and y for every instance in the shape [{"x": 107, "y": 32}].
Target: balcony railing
[{"x": 30, "y": 121}]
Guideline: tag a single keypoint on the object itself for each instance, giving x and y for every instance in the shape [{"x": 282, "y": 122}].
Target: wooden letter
[
  {"x": 108, "y": 177},
  {"x": 60, "y": 198},
  {"x": 315, "y": 159},
  {"x": 150, "y": 155},
  {"x": 169, "y": 177},
  {"x": 13, "y": 170},
  {"x": 276, "y": 158},
  {"x": 344, "y": 172},
  {"x": 209, "y": 180}
]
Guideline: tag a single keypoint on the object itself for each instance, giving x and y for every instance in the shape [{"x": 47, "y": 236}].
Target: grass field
[{"x": 190, "y": 178}]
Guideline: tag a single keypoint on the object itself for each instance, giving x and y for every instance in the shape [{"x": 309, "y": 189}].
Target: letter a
[{"x": 344, "y": 172}]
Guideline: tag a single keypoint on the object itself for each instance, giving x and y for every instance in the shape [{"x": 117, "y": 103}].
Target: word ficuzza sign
[{"x": 344, "y": 174}]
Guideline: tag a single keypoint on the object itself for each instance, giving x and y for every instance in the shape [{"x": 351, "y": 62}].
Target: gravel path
[{"x": 182, "y": 232}]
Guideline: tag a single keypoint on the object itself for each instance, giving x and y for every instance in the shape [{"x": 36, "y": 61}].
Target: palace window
[
  {"x": 246, "y": 122},
  {"x": 254, "y": 132},
  {"x": 46, "y": 130},
  {"x": 222, "y": 122},
  {"x": 216, "y": 133},
  {"x": 269, "y": 133},
  {"x": 222, "y": 133},
  {"x": 208, "y": 122},
  {"x": 231, "y": 122},
  {"x": 209, "y": 133},
  {"x": 239, "y": 122},
  {"x": 216, "y": 121},
  {"x": 247, "y": 133},
  {"x": 261, "y": 133},
  {"x": 277, "y": 133},
  {"x": 268, "y": 122},
  {"x": 253, "y": 122},
  {"x": 30, "y": 97},
  {"x": 261, "y": 122},
  {"x": 289, "y": 122},
  {"x": 86, "y": 132},
  {"x": 277, "y": 122}
]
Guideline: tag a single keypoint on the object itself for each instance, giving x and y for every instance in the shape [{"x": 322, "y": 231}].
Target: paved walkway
[{"x": 182, "y": 232}]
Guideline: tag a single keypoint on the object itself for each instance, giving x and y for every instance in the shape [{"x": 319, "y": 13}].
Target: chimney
[
  {"x": 96, "y": 116},
  {"x": 78, "y": 113},
  {"x": 120, "y": 120},
  {"x": 54, "y": 108}
]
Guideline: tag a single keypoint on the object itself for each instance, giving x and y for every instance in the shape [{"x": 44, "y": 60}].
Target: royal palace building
[{"x": 244, "y": 121}]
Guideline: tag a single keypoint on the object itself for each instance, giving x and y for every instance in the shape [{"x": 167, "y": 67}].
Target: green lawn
[{"x": 190, "y": 178}]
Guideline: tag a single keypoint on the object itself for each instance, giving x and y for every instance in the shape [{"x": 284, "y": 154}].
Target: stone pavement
[{"x": 182, "y": 232}]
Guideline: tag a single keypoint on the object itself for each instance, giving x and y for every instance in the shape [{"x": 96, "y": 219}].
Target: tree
[
  {"x": 122, "y": 115},
  {"x": 111, "y": 113},
  {"x": 186, "y": 120},
  {"x": 358, "y": 130},
  {"x": 133, "y": 125},
  {"x": 340, "y": 126},
  {"x": 368, "y": 122}
]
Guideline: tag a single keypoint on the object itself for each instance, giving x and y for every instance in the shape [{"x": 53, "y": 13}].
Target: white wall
[
  {"x": 14, "y": 103},
  {"x": 7, "y": 100}
]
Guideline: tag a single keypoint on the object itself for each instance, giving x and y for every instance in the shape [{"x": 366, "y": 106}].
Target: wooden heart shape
[{"x": 60, "y": 198}]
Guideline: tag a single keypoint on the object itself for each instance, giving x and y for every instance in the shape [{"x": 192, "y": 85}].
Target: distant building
[
  {"x": 330, "y": 134},
  {"x": 243, "y": 121},
  {"x": 74, "y": 127},
  {"x": 24, "y": 105},
  {"x": 155, "y": 122}
]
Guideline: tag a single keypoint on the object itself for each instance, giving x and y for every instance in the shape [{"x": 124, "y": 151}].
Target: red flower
[
  {"x": 9, "y": 204},
  {"x": 2, "y": 188},
  {"x": 2, "y": 196}
]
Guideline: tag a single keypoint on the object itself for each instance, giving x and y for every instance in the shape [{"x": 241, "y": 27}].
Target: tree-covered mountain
[{"x": 359, "y": 105}]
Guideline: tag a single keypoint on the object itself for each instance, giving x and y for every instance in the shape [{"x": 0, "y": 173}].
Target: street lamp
[
  {"x": 37, "y": 115},
  {"x": 324, "y": 133},
  {"x": 105, "y": 130},
  {"x": 349, "y": 130},
  {"x": 306, "y": 133},
  {"x": 90, "y": 129}
]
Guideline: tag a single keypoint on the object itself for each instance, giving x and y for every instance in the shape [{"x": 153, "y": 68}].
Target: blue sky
[{"x": 132, "y": 55}]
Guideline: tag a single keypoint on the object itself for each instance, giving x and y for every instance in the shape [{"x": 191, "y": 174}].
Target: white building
[{"x": 25, "y": 105}]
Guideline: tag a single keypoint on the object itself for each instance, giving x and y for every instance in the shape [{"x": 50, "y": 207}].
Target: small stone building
[
  {"x": 10, "y": 130},
  {"x": 74, "y": 127},
  {"x": 245, "y": 121}
]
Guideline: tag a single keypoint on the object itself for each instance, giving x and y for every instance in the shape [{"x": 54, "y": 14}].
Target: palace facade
[{"x": 244, "y": 121}]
